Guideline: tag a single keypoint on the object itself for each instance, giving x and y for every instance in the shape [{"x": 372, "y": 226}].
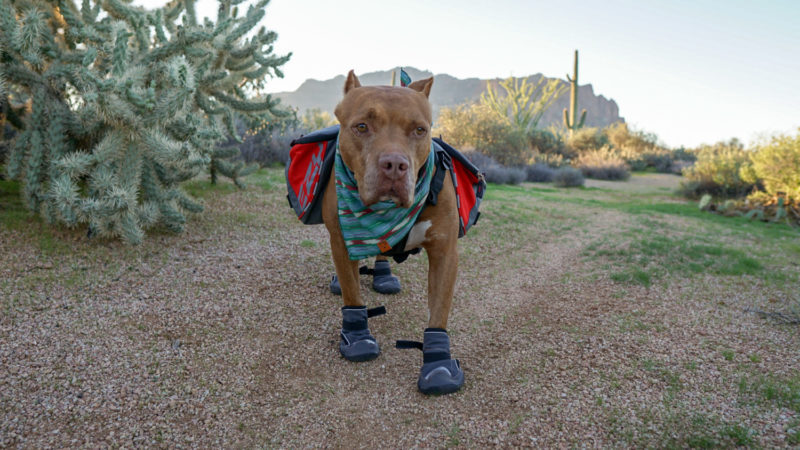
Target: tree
[
  {"x": 126, "y": 103},
  {"x": 315, "y": 119},
  {"x": 523, "y": 103}
]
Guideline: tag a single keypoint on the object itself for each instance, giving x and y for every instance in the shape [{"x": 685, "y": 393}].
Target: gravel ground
[{"x": 226, "y": 336}]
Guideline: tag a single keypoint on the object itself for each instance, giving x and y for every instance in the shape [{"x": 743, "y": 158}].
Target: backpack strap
[{"x": 443, "y": 164}]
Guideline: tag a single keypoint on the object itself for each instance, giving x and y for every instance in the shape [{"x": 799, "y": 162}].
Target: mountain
[{"x": 450, "y": 91}]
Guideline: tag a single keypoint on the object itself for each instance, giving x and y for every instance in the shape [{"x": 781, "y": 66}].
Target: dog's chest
[{"x": 417, "y": 235}]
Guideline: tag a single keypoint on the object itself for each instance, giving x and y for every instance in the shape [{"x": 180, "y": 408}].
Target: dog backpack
[{"x": 311, "y": 163}]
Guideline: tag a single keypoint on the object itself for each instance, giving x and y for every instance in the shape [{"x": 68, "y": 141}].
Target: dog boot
[
  {"x": 357, "y": 343},
  {"x": 440, "y": 374},
  {"x": 383, "y": 281},
  {"x": 335, "y": 288}
]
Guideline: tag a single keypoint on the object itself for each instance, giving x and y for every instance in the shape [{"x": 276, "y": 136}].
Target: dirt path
[{"x": 226, "y": 336}]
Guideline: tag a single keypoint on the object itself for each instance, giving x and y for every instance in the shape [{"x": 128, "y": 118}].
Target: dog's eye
[
  {"x": 420, "y": 131},
  {"x": 361, "y": 128}
]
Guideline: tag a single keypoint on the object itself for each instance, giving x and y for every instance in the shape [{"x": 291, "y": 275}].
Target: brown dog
[{"x": 385, "y": 140}]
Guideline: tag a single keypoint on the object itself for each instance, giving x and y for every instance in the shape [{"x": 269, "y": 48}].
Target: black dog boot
[
  {"x": 440, "y": 374},
  {"x": 335, "y": 288},
  {"x": 357, "y": 343},
  {"x": 383, "y": 281}
]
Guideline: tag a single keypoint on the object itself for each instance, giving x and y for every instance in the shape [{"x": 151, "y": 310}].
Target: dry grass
[{"x": 226, "y": 336}]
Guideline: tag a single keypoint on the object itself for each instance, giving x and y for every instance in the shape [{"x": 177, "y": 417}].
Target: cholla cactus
[{"x": 125, "y": 105}]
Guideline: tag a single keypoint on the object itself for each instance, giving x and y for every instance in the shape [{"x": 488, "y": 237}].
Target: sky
[{"x": 691, "y": 72}]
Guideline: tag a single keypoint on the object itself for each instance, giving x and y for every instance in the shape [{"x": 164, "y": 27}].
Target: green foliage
[
  {"x": 476, "y": 127},
  {"x": 549, "y": 142},
  {"x": 570, "y": 117},
  {"x": 776, "y": 165},
  {"x": 127, "y": 103},
  {"x": 586, "y": 139},
  {"x": 718, "y": 171}
]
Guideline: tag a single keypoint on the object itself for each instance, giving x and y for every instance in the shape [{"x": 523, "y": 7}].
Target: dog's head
[{"x": 385, "y": 137}]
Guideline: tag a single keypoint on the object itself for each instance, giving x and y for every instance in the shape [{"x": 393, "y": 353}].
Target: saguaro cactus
[{"x": 571, "y": 115}]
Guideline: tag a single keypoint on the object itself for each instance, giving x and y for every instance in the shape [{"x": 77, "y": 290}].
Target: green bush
[
  {"x": 548, "y": 142},
  {"x": 475, "y": 127},
  {"x": 721, "y": 170},
  {"x": 586, "y": 139},
  {"x": 776, "y": 165}
]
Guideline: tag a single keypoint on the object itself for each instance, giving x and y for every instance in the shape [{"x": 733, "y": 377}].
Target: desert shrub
[
  {"x": 475, "y": 127},
  {"x": 642, "y": 151},
  {"x": 550, "y": 159},
  {"x": 679, "y": 166},
  {"x": 317, "y": 119},
  {"x": 504, "y": 175},
  {"x": 507, "y": 145},
  {"x": 718, "y": 171},
  {"x": 682, "y": 154},
  {"x": 656, "y": 158},
  {"x": 586, "y": 139},
  {"x": 495, "y": 172},
  {"x": 268, "y": 148},
  {"x": 602, "y": 164},
  {"x": 568, "y": 177},
  {"x": 480, "y": 160},
  {"x": 549, "y": 142},
  {"x": 776, "y": 165},
  {"x": 456, "y": 126},
  {"x": 622, "y": 137},
  {"x": 539, "y": 173}
]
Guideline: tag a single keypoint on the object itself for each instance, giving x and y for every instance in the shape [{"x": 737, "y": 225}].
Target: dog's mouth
[
  {"x": 399, "y": 199},
  {"x": 397, "y": 191}
]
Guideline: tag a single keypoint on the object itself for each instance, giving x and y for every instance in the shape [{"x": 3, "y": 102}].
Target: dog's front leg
[
  {"x": 440, "y": 373},
  {"x": 357, "y": 343}
]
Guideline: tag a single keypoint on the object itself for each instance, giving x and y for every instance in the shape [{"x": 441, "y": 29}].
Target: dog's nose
[{"x": 393, "y": 165}]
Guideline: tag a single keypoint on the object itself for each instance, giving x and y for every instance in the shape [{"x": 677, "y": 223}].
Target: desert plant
[
  {"x": 316, "y": 119},
  {"x": 522, "y": 104},
  {"x": 539, "y": 173},
  {"x": 776, "y": 165},
  {"x": 550, "y": 159},
  {"x": 480, "y": 160},
  {"x": 587, "y": 138},
  {"x": 475, "y": 127},
  {"x": 571, "y": 116},
  {"x": 126, "y": 104},
  {"x": 602, "y": 164},
  {"x": 718, "y": 171},
  {"x": 621, "y": 136},
  {"x": 504, "y": 175},
  {"x": 549, "y": 142},
  {"x": 568, "y": 177}
]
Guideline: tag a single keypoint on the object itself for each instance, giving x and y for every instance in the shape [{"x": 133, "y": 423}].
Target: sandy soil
[{"x": 226, "y": 336}]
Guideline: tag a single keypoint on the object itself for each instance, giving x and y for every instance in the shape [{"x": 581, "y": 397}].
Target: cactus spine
[{"x": 571, "y": 115}]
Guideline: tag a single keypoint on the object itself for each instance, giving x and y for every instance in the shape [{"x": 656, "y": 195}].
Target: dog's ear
[
  {"x": 351, "y": 83},
  {"x": 423, "y": 86}
]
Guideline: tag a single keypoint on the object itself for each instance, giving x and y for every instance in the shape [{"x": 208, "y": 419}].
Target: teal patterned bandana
[{"x": 370, "y": 231}]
